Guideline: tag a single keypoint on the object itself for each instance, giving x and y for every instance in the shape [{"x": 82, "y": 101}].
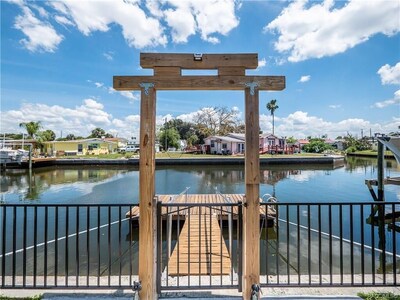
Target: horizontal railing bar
[
  {"x": 75, "y": 287},
  {"x": 63, "y": 238},
  {"x": 199, "y": 287},
  {"x": 337, "y": 237},
  {"x": 67, "y": 205},
  {"x": 326, "y": 285},
  {"x": 331, "y": 203},
  {"x": 202, "y": 204},
  {"x": 190, "y": 204}
]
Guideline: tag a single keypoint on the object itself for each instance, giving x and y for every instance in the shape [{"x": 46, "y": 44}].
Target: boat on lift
[{"x": 393, "y": 144}]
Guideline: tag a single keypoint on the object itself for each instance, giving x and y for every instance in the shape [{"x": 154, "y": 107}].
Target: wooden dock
[
  {"x": 192, "y": 199},
  {"x": 201, "y": 249}
]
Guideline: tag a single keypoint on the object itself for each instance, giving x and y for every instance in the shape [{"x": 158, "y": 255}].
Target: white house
[{"x": 224, "y": 145}]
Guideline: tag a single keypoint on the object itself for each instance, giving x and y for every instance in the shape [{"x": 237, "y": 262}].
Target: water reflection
[
  {"x": 29, "y": 185},
  {"x": 119, "y": 184}
]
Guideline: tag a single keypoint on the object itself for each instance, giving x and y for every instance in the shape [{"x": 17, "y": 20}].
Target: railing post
[
  {"x": 240, "y": 245},
  {"x": 159, "y": 246}
]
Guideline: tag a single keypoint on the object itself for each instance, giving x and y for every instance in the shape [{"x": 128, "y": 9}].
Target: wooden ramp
[{"x": 200, "y": 249}]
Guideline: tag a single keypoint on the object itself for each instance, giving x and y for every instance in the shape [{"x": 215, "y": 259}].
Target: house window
[
  {"x": 224, "y": 146},
  {"x": 212, "y": 143},
  {"x": 80, "y": 148}
]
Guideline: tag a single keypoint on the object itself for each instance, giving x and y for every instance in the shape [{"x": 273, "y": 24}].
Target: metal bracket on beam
[
  {"x": 146, "y": 86},
  {"x": 198, "y": 57},
  {"x": 252, "y": 85}
]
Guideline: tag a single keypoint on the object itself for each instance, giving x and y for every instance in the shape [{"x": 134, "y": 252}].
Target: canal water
[
  {"x": 108, "y": 185},
  {"x": 119, "y": 185}
]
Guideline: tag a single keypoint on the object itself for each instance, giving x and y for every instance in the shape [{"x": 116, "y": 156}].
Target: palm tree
[
  {"x": 32, "y": 127},
  {"x": 271, "y": 106}
]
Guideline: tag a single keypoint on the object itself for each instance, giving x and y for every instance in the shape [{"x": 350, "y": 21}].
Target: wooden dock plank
[{"x": 203, "y": 251}]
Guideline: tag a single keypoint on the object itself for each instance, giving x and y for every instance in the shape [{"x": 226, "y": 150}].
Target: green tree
[
  {"x": 47, "y": 135},
  {"x": 272, "y": 106},
  {"x": 192, "y": 140},
  {"x": 32, "y": 128},
  {"x": 169, "y": 137},
  {"x": 317, "y": 146},
  {"x": 70, "y": 137},
  {"x": 291, "y": 140},
  {"x": 99, "y": 133}
]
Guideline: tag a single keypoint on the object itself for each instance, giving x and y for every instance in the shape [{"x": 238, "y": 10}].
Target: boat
[
  {"x": 10, "y": 157},
  {"x": 393, "y": 144}
]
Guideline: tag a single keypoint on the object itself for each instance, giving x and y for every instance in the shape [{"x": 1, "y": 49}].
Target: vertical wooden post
[
  {"x": 147, "y": 205},
  {"x": 251, "y": 217}
]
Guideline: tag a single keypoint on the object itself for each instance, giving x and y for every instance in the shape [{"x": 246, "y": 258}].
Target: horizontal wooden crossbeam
[
  {"x": 208, "y": 61},
  {"x": 270, "y": 83}
]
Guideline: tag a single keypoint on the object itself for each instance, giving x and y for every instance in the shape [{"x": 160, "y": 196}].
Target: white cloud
[
  {"x": 109, "y": 55},
  {"x": 395, "y": 100},
  {"x": 390, "y": 75},
  {"x": 99, "y": 84},
  {"x": 304, "y": 78},
  {"x": 314, "y": 30},
  {"x": 138, "y": 29},
  {"x": 79, "y": 120},
  {"x": 335, "y": 106},
  {"x": 182, "y": 23},
  {"x": 130, "y": 95},
  {"x": 41, "y": 36},
  {"x": 63, "y": 20},
  {"x": 186, "y": 18},
  {"x": 262, "y": 63},
  {"x": 300, "y": 125}
]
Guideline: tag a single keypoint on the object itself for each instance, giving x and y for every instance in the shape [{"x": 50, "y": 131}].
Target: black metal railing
[
  {"x": 331, "y": 244},
  {"x": 301, "y": 244},
  {"x": 199, "y": 245},
  {"x": 67, "y": 246}
]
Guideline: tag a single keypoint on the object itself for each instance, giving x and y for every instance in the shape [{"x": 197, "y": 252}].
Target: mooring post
[
  {"x": 147, "y": 203},
  {"x": 251, "y": 219}
]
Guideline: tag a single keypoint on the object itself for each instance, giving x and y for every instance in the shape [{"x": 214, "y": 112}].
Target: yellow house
[{"x": 93, "y": 146}]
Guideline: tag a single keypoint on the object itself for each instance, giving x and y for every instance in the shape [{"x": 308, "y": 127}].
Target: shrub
[{"x": 379, "y": 296}]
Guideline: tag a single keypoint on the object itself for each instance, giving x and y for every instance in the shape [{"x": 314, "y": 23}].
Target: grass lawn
[{"x": 371, "y": 153}]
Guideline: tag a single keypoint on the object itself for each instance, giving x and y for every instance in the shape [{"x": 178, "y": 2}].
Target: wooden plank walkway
[{"x": 200, "y": 249}]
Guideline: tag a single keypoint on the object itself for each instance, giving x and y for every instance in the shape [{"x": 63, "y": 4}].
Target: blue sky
[{"x": 341, "y": 60}]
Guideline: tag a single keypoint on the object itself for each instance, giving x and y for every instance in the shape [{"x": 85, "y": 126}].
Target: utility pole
[{"x": 165, "y": 134}]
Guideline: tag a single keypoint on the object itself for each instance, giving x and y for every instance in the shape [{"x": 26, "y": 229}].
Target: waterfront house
[
  {"x": 121, "y": 142},
  {"x": 301, "y": 143},
  {"x": 224, "y": 144},
  {"x": 93, "y": 146}
]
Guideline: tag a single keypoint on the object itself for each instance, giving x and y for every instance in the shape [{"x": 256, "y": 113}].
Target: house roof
[
  {"x": 303, "y": 141},
  {"x": 225, "y": 139},
  {"x": 268, "y": 135},
  {"x": 83, "y": 141},
  {"x": 240, "y": 136}
]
